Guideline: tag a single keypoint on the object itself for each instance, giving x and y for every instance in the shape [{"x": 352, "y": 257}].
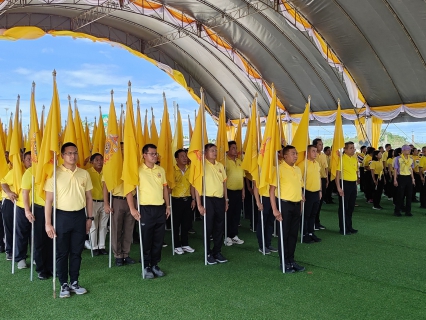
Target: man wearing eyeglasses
[
  {"x": 152, "y": 214},
  {"x": 73, "y": 195}
]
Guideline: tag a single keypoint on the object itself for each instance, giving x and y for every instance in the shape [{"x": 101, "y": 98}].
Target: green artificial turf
[{"x": 375, "y": 274}]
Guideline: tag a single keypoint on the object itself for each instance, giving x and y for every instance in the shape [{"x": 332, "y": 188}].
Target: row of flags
[{"x": 256, "y": 151}]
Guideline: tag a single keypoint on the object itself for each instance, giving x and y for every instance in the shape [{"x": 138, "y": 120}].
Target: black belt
[
  {"x": 291, "y": 202},
  {"x": 98, "y": 200},
  {"x": 117, "y": 197},
  {"x": 182, "y": 198}
]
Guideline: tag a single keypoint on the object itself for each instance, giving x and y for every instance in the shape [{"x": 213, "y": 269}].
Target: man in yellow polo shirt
[
  {"x": 23, "y": 227},
  {"x": 236, "y": 193},
  {"x": 42, "y": 243},
  {"x": 183, "y": 202},
  {"x": 73, "y": 196},
  {"x": 322, "y": 161},
  {"x": 291, "y": 183},
  {"x": 346, "y": 183},
  {"x": 216, "y": 203},
  {"x": 98, "y": 231},
  {"x": 422, "y": 170},
  {"x": 152, "y": 214},
  {"x": 313, "y": 187},
  {"x": 403, "y": 181}
]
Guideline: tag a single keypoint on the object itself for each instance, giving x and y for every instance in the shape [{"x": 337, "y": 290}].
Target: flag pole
[
  {"x": 14, "y": 237},
  {"x": 110, "y": 231},
  {"x": 343, "y": 197},
  {"x": 252, "y": 184},
  {"x": 32, "y": 229},
  {"x": 175, "y": 108},
  {"x": 54, "y": 225},
  {"x": 304, "y": 179},
  {"x": 206, "y": 237},
  {"x": 140, "y": 236},
  {"x": 226, "y": 213}
]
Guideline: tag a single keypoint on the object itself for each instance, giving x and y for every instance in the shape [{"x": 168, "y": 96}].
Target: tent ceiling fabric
[{"x": 254, "y": 44}]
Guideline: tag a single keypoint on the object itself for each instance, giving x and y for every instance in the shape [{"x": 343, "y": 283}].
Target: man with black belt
[
  {"x": 98, "y": 231},
  {"x": 291, "y": 183},
  {"x": 216, "y": 203},
  {"x": 73, "y": 199},
  {"x": 42, "y": 243},
  {"x": 312, "y": 193},
  {"x": 321, "y": 159},
  {"x": 183, "y": 203},
  {"x": 23, "y": 227},
  {"x": 153, "y": 193},
  {"x": 403, "y": 181},
  {"x": 236, "y": 193},
  {"x": 346, "y": 183}
]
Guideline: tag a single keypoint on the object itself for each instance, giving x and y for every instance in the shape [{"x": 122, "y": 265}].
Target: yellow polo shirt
[
  {"x": 322, "y": 161},
  {"x": 422, "y": 163},
  {"x": 151, "y": 183},
  {"x": 385, "y": 156},
  {"x": 96, "y": 178},
  {"x": 27, "y": 183},
  {"x": 214, "y": 179},
  {"x": 8, "y": 179},
  {"x": 182, "y": 186},
  {"x": 389, "y": 161},
  {"x": 350, "y": 168},
  {"x": 366, "y": 161},
  {"x": 71, "y": 187},
  {"x": 313, "y": 175},
  {"x": 403, "y": 165},
  {"x": 377, "y": 167},
  {"x": 291, "y": 182},
  {"x": 416, "y": 161},
  {"x": 118, "y": 191},
  {"x": 235, "y": 174}
]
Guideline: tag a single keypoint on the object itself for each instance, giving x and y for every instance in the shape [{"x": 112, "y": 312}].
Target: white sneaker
[
  {"x": 178, "y": 250},
  {"x": 228, "y": 242},
  {"x": 22, "y": 264},
  {"x": 87, "y": 245},
  {"x": 188, "y": 249},
  {"x": 74, "y": 287},
  {"x": 237, "y": 240}
]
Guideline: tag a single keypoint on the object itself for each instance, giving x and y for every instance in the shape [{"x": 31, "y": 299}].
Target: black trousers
[
  {"x": 268, "y": 223},
  {"x": 404, "y": 190},
  {"x": 71, "y": 234},
  {"x": 377, "y": 191},
  {"x": 153, "y": 220},
  {"x": 234, "y": 211},
  {"x": 417, "y": 187},
  {"x": 350, "y": 191},
  {"x": 182, "y": 218},
  {"x": 312, "y": 206},
  {"x": 329, "y": 191},
  {"x": 215, "y": 223},
  {"x": 290, "y": 212},
  {"x": 422, "y": 194},
  {"x": 249, "y": 206},
  {"x": 361, "y": 179},
  {"x": 43, "y": 245},
  {"x": 23, "y": 233},
  {"x": 323, "y": 198},
  {"x": 368, "y": 185},
  {"x": 7, "y": 211},
  {"x": 2, "y": 240}
]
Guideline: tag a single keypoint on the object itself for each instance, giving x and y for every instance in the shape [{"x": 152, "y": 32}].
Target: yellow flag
[
  {"x": 42, "y": 122},
  {"x": 130, "y": 175},
  {"x": 87, "y": 134},
  {"x": 120, "y": 125},
  {"x": 282, "y": 130},
  {"x": 338, "y": 143},
  {"x": 95, "y": 129},
  {"x": 250, "y": 162},
  {"x": 99, "y": 142},
  {"x": 178, "y": 137},
  {"x": 34, "y": 136},
  {"x": 82, "y": 142},
  {"x": 51, "y": 141},
  {"x": 165, "y": 146},
  {"x": 4, "y": 168},
  {"x": 9, "y": 134},
  {"x": 140, "y": 141},
  {"x": 239, "y": 139},
  {"x": 221, "y": 138},
  {"x": 154, "y": 132},
  {"x": 15, "y": 151},
  {"x": 146, "y": 135},
  {"x": 269, "y": 147},
  {"x": 113, "y": 160},
  {"x": 189, "y": 128},
  {"x": 301, "y": 137},
  {"x": 70, "y": 135},
  {"x": 196, "y": 148},
  {"x": 253, "y": 105}
]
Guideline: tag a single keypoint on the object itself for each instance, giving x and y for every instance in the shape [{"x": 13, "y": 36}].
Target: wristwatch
[{"x": 90, "y": 218}]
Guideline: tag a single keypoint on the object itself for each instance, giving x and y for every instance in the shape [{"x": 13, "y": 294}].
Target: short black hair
[
  {"x": 375, "y": 153},
  {"x": 311, "y": 146},
  {"x": 93, "y": 156},
  {"x": 178, "y": 151},
  {"x": 370, "y": 150},
  {"x": 230, "y": 143},
  {"x": 316, "y": 140},
  {"x": 390, "y": 154},
  {"x": 287, "y": 148},
  {"x": 363, "y": 147},
  {"x": 208, "y": 146},
  {"x": 387, "y": 145},
  {"x": 147, "y": 146},
  {"x": 347, "y": 144},
  {"x": 27, "y": 153},
  {"x": 326, "y": 148},
  {"x": 66, "y": 145},
  {"x": 397, "y": 152}
]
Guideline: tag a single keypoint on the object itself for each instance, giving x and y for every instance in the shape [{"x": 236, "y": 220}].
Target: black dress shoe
[
  {"x": 119, "y": 262},
  {"x": 348, "y": 233},
  {"x": 409, "y": 214},
  {"x": 307, "y": 239},
  {"x": 129, "y": 260},
  {"x": 354, "y": 231},
  {"x": 315, "y": 238},
  {"x": 95, "y": 252},
  {"x": 103, "y": 252},
  {"x": 157, "y": 271},
  {"x": 42, "y": 276},
  {"x": 297, "y": 267},
  {"x": 397, "y": 214},
  {"x": 288, "y": 268}
]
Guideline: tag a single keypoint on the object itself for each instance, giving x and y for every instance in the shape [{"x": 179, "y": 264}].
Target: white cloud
[
  {"x": 47, "y": 50},
  {"x": 23, "y": 71}
]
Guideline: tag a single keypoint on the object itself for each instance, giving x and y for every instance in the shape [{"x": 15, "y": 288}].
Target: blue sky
[{"x": 88, "y": 71}]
